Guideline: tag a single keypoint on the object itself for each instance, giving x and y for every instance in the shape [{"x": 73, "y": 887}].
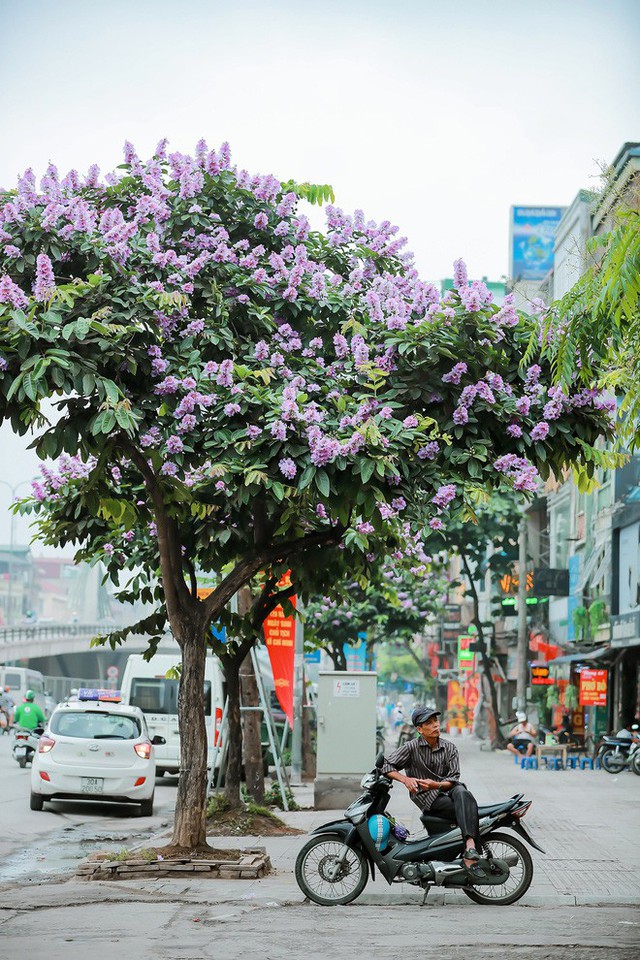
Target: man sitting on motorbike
[
  {"x": 522, "y": 736},
  {"x": 28, "y": 714},
  {"x": 432, "y": 778}
]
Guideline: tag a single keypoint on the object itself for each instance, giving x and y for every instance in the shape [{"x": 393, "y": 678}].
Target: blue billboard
[{"x": 533, "y": 234}]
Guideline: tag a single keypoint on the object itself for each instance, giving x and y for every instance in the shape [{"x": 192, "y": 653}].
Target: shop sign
[
  {"x": 550, "y": 582},
  {"x": 540, "y": 676},
  {"x": 593, "y": 688},
  {"x": 466, "y": 658},
  {"x": 625, "y": 629}
]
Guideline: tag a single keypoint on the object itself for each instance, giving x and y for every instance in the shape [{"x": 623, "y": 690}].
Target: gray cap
[{"x": 423, "y": 715}]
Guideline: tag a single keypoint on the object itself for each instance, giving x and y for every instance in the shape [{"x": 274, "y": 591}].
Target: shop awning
[{"x": 586, "y": 655}]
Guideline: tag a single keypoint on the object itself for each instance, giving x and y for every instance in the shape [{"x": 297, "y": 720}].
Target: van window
[
  {"x": 159, "y": 695},
  {"x": 13, "y": 680},
  {"x": 36, "y": 684}
]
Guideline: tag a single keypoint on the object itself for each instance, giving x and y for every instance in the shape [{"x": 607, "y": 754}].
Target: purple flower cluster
[
  {"x": 455, "y": 375},
  {"x": 521, "y": 471},
  {"x": 444, "y": 495},
  {"x": 287, "y": 468}
]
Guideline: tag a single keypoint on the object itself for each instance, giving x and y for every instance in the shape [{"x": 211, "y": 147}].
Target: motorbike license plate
[
  {"x": 20, "y": 751},
  {"x": 92, "y": 784}
]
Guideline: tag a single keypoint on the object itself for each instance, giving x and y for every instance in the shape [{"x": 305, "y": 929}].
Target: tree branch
[
  {"x": 248, "y": 567},
  {"x": 175, "y": 589}
]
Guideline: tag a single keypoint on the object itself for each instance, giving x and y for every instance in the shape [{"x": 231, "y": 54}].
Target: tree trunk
[
  {"x": 251, "y": 727},
  {"x": 336, "y": 652},
  {"x": 189, "y": 827},
  {"x": 308, "y": 755},
  {"x": 234, "y": 731},
  {"x": 497, "y": 739}
]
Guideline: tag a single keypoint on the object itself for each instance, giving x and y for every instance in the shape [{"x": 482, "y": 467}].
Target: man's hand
[{"x": 414, "y": 785}]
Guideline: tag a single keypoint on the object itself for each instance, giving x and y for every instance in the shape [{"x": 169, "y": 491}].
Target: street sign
[{"x": 112, "y": 672}]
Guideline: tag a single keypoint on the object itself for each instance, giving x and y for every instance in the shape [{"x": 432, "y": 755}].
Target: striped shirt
[{"x": 419, "y": 760}]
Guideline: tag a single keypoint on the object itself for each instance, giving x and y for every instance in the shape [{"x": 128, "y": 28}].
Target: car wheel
[
  {"x": 36, "y": 802},
  {"x": 146, "y": 807}
]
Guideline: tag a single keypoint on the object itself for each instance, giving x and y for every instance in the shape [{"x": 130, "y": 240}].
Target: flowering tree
[{"x": 235, "y": 392}]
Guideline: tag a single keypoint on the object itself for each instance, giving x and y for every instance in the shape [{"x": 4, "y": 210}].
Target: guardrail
[{"x": 50, "y": 631}]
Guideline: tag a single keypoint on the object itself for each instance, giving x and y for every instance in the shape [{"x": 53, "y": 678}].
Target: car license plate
[{"x": 92, "y": 784}]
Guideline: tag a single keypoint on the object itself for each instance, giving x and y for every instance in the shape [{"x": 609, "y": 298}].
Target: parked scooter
[
  {"x": 25, "y": 744},
  {"x": 333, "y": 866},
  {"x": 617, "y": 753}
]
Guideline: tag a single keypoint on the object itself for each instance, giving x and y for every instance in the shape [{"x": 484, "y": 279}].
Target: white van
[
  {"x": 146, "y": 685},
  {"x": 21, "y": 679}
]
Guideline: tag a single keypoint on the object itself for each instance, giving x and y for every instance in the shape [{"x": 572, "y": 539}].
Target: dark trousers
[{"x": 459, "y": 805}]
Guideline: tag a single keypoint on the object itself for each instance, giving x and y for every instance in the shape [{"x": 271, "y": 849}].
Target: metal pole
[
  {"x": 523, "y": 645},
  {"x": 298, "y": 697}
]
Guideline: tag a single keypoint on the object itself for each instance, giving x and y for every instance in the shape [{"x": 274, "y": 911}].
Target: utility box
[{"x": 346, "y": 736}]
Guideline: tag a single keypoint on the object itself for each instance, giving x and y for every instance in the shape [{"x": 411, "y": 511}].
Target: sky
[{"x": 438, "y": 116}]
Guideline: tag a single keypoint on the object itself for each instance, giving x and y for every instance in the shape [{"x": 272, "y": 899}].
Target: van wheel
[
  {"x": 36, "y": 802},
  {"x": 146, "y": 807}
]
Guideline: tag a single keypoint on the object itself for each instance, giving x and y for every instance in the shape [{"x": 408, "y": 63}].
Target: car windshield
[{"x": 95, "y": 725}]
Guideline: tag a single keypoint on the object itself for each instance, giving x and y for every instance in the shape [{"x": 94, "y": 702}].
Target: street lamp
[{"x": 13, "y": 489}]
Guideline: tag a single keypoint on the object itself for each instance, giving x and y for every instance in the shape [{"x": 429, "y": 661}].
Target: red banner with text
[{"x": 280, "y": 638}]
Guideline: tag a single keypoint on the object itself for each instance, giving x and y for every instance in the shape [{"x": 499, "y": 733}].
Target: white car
[{"x": 95, "y": 748}]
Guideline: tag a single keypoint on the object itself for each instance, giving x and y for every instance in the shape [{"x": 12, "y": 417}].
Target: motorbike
[
  {"x": 333, "y": 867},
  {"x": 25, "y": 744},
  {"x": 619, "y": 752}
]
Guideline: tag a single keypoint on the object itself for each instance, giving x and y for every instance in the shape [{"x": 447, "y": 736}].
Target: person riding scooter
[{"x": 28, "y": 714}]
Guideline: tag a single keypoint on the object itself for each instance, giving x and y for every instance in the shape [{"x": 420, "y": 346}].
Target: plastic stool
[
  {"x": 530, "y": 763},
  {"x": 572, "y": 763},
  {"x": 517, "y": 758},
  {"x": 554, "y": 763},
  {"x": 586, "y": 763}
]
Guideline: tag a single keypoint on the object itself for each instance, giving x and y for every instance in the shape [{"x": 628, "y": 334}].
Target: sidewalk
[{"x": 587, "y": 821}]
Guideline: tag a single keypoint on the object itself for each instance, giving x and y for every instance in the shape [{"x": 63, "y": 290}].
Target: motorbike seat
[{"x": 435, "y": 824}]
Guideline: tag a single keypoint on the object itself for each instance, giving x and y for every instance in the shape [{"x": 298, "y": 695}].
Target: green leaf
[
  {"x": 30, "y": 386},
  {"x": 306, "y": 478},
  {"x": 322, "y": 483},
  {"x": 367, "y": 469}
]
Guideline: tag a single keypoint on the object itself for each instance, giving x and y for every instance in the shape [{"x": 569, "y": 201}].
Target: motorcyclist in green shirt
[{"x": 28, "y": 714}]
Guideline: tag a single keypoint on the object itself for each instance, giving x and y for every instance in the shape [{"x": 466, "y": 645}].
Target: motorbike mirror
[
  {"x": 158, "y": 741},
  {"x": 380, "y": 760}
]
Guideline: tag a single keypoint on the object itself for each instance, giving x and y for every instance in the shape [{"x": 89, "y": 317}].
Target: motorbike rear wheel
[
  {"x": 22, "y": 762},
  {"x": 504, "y": 847},
  {"x": 635, "y": 762},
  {"x": 313, "y": 866},
  {"x": 613, "y": 762}
]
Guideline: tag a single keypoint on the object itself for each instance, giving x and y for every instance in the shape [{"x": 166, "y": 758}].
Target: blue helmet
[{"x": 379, "y": 828}]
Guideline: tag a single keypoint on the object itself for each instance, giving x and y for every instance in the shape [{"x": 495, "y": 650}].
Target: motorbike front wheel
[
  {"x": 502, "y": 846},
  {"x": 317, "y": 877},
  {"x": 613, "y": 761}
]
